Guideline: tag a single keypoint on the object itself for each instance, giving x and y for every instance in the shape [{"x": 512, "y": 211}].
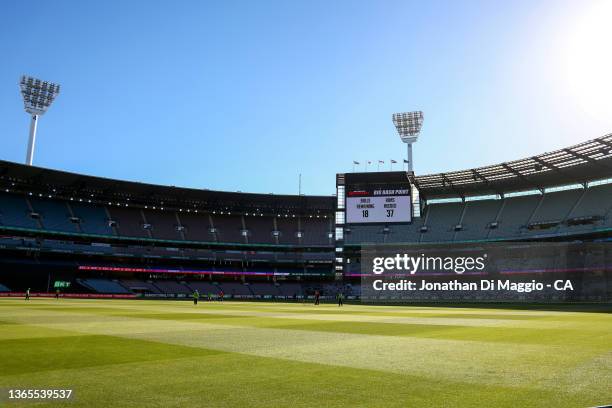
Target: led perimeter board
[{"x": 381, "y": 197}]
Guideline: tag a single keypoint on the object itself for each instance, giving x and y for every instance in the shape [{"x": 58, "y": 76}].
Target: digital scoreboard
[
  {"x": 382, "y": 197},
  {"x": 389, "y": 205}
]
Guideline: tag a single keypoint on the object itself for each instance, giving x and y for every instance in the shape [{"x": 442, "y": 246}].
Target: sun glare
[{"x": 588, "y": 60}]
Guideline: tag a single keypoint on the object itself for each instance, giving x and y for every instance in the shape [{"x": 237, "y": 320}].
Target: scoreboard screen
[{"x": 390, "y": 205}]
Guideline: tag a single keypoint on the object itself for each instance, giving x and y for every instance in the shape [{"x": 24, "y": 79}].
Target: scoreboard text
[{"x": 382, "y": 205}]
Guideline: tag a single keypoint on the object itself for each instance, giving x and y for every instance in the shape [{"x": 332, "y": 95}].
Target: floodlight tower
[
  {"x": 37, "y": 97},
  {"x": 408, "y": 125}
]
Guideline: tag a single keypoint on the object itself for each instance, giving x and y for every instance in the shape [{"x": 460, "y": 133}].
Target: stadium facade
[{"x": 110, "y": 237}]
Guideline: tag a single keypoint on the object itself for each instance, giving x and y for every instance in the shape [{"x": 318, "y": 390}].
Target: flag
[
  {"x": 393, "y": 161},
  {"x": 369, "y": 162},
  {"x": 381, "y": 161},
  {"x": 405, "y": 161},
  {"x": 356, "y": 162}
]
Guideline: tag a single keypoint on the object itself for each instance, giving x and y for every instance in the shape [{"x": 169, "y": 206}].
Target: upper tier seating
[
  {"x": 515, "y": 216},
  {"x": 595, "y": 199},
  {"x": 528, "y": 216},
  {"x": 78, "y": 217},
  {"x": 556, "y": 206},
  {"x": 129, "y": 221},
  {"x": 197, "y": 227},
  {"x": 315, "y": 231},
  {"x": 14, "y": 212},
  {"x": 441, "y": 220},
  {"x": 163, "y": 224},
  {"x": 228, "y": 228},
  {"x": 93, "y": 219},
  {"x": 288, "y": 229},
  {"x": 54, "y": 215},
  {"x": 260, "y": 229},
  {"x": 477, "y": 218}
]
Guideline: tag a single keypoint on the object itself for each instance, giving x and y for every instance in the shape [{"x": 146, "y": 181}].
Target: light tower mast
[
  {"x": 37, "y": 97},
  {"x": 408, "y": 125}
]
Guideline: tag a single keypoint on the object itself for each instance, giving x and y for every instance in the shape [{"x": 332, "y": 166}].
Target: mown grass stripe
[
  {"x": 231, "y": 379},
  {"x": 302, "y": 358}
]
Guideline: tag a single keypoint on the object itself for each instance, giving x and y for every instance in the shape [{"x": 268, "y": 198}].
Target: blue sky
[{"x": 245, "y": 95}]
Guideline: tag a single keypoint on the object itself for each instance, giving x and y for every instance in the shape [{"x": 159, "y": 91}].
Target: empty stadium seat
[
  {"x": 163, "y": 224},
  {"x": 259, "y": 229},
  {"x": 104, "y": 286},
  {"x": 228, "y": 228},
  {"x": 315, "y": 231},
  {"x": 140, "y": 286},
  {"x": 290, "y": 289},
  {"x": 55, "y": 215},
  {"x": 93, "y": 218},
  {"x": 235, "y": 288},
  {"x": 477, "y": 218},
  {"x": 596, "y": 201},
  {"x": 441, "y": 220},
  {"x": 264, "y": 289},
  {"x": 129, "y": 221},
  {"x": 515, "y": 215},
  {"x": 407, "y": 233},
  {"x": 204, "y": 287},
  {"x": 14, "y": 212},
  {"x": 288, "y": 229},
  {"x": 556, "y": 206},
  {"x": 197, "y": 227},
  {"x": 362, "y": 234},
  {"x": 172, "y": 287}
]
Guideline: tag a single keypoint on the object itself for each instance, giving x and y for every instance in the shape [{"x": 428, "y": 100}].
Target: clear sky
[{"x": 245, "y": 95}]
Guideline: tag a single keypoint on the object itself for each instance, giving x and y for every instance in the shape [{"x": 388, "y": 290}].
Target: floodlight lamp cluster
[
  {"x": 37, "y": 94},
  {"x": 408, "y": 125}
]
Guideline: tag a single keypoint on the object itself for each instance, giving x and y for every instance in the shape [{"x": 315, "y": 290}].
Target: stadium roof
[
  {"x": 581, "y": 163},
  {"x": 19, "y": 177}
]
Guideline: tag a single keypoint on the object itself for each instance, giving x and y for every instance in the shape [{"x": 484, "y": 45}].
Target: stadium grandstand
[
  {"x": 127, "y": 239},
  {"x": 564, "y": 194},
  {"x": 116, "y": 237}
]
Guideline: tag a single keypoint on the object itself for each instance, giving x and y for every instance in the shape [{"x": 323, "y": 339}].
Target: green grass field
[{"x": 175, "y": 354}]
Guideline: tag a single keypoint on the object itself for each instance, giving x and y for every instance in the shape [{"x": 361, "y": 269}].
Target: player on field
[
  {"x": 221, "y": 294},
  {"x": 196, "y": 296},
  {"x": 317, "y": 295},
  {"x": 340, "y": 299},
  {"x": 27, "y": 297}
]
